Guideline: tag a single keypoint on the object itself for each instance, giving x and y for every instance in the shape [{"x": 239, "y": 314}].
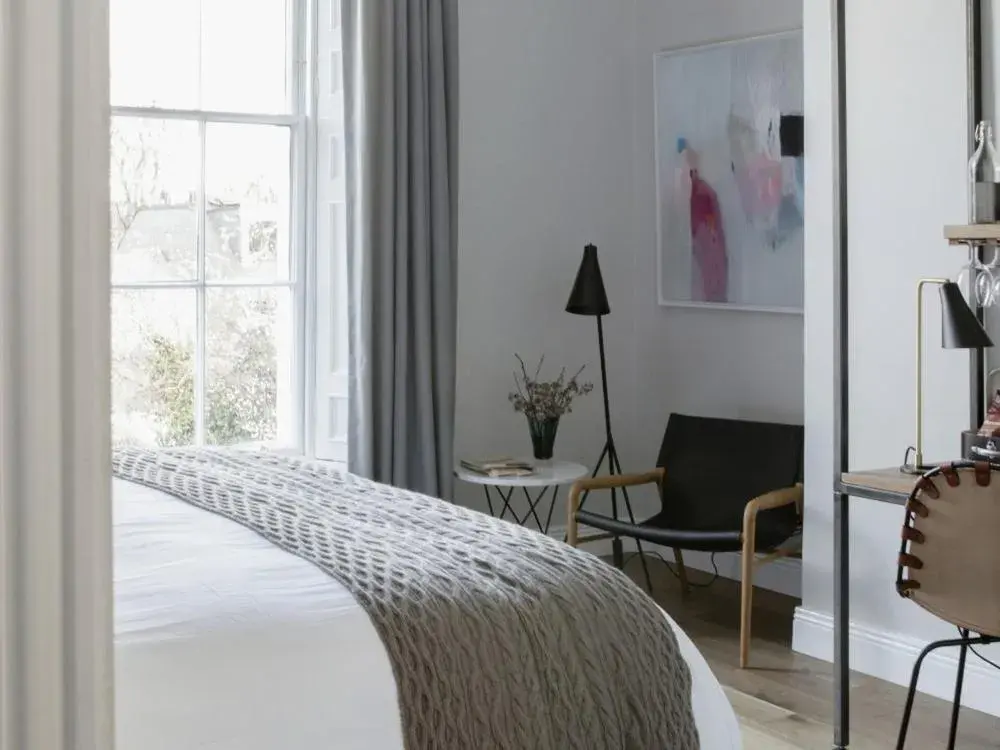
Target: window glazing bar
[{"x": 199, "y": 115}]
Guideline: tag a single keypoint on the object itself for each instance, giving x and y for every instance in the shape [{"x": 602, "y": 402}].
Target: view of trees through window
[{"x": 203, "y": 294}]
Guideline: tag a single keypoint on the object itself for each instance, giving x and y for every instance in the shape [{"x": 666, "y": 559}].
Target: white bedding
[{"x": 223, "y": 641}]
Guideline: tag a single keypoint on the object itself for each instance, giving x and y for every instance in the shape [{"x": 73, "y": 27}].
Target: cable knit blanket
[{"x": 499, "y": 637}]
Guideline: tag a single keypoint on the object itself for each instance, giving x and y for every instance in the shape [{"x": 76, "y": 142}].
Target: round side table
[{"x": 548, "y": 477}]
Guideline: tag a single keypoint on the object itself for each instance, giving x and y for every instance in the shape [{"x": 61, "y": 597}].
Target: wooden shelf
[
  {"x": 972, "y": 234},
  {"x": 880, "y": 484}
]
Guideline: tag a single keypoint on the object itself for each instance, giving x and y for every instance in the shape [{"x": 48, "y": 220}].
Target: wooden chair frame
[{"x": 750, "y": 559}]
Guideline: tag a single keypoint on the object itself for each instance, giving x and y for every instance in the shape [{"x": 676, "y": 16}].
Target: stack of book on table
[{"x": 499, "y": 467}]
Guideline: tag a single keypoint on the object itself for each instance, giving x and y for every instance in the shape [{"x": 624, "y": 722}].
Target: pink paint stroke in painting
[{"x": 710, "y": 275}]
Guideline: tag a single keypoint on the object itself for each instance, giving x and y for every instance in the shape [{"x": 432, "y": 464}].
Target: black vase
[{"x": 543, "y": 436}]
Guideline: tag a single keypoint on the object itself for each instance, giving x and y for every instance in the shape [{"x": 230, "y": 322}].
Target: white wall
[
  {"x": 706, "y": 362},
  {"x": 906, "y": 155},
  {"x": 544, "y": 169},
  {"x": 557, "y": 151}
]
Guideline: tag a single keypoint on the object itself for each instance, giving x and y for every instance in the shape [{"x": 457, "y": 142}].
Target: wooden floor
[{"x": 786, "y": 700}]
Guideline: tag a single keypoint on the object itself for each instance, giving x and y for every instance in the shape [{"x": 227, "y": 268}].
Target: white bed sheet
[{"x": 223, "y": 641}]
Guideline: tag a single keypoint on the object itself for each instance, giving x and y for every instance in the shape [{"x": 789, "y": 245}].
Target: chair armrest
[
  {"x": 603, "y": 483},
  {"x": 612, "y": 481},
  {"x": 767, "y": 501}
]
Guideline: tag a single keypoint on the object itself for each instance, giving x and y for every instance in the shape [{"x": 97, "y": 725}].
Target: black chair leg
[
  {"x": 964, "y": 642},
  {"x": 913, "y": 685},
  {"x": 905, "y": 724},
  {"x": 959, "y": 678}
]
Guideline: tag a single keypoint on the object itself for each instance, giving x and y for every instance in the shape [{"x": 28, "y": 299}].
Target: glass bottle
[
  {"x": 974, "y": 164},
  {"x": 984, "y": 176}
]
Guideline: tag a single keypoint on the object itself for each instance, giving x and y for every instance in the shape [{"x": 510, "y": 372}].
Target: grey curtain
[{"x": 401, "y": 89}]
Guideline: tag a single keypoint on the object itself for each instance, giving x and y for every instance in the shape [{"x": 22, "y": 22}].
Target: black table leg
[
  {"x": 532, "y": 504},
  {"x": 552, "y": 507},
  {"x": 506, "y": 505},
  {"x": 841, "y": 623}
]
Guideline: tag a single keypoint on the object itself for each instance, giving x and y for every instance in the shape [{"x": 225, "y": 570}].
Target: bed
[{"x": 225, "y": 641}]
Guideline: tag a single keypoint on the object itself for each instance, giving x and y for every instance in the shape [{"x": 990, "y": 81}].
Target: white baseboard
[
  {"x": 891, "y": 656},
  {"x": 783, "y": 575}
]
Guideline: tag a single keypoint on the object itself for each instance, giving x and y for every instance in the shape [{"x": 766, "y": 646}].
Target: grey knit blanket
[{"x": 499, "y": 637}]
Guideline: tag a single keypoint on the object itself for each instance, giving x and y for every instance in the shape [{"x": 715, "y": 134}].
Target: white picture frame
[{"x": 720, "y": 107}]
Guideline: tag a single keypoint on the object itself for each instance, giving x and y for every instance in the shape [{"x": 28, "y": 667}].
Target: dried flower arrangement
[{"x": 542, "y": 401}]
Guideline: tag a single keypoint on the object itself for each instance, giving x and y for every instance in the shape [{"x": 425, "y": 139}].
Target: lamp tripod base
[{"x": 617, "y": 553}]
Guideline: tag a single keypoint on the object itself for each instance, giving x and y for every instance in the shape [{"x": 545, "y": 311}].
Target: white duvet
[{"x": 224, "y": 642}]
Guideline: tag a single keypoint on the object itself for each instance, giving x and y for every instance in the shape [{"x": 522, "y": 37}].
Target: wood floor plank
[
  {"x": 758, "y": 739},
  {"x": 785, "y": 700}
]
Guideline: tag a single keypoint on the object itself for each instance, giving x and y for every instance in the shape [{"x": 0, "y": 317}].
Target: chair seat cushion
[{"x": 769, "y": 535}]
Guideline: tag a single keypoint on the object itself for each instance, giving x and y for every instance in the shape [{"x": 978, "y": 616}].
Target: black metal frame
[
  {"x": 974, "y": 71},
  {"x": 977, "y": 368},
  {"x": 963, "y": 643},
  {"x": 841, "y": 568},
  {"x": 533, "y": 504}
]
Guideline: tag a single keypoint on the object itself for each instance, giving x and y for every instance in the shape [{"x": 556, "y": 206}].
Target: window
[{"x": 209, "y": 222}]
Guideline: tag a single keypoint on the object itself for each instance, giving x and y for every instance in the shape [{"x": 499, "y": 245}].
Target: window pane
[
  {"x": 249, "y": 358},
  {"x": 152, "y": 376},
  {"x": 154, "y": 187},
  {"x": 247, "y": 190},
  {"x": 228, "y": 55},
  {"x": 244, "y": 55},
  {"x": 155, "y": 49}
]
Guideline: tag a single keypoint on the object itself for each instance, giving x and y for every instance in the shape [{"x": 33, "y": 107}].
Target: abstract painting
[{"x": 729, "y": 173}]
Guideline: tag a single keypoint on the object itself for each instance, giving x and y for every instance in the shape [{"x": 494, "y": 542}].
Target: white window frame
[
  {"x": 295, "y": 416},
  {"x": 327, "y": 431}
]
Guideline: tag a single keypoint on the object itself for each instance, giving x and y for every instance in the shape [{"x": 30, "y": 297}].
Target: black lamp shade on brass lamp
[
  {"x": 588, "y": 296},
  {"x": 960, "y": 329}
]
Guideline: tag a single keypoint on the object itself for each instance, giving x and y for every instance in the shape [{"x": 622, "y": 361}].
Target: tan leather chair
[{"x": 949, "y": 563}]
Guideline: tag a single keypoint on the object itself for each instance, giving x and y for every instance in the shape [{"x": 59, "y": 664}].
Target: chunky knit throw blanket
[{"x": 499, "y": 637}]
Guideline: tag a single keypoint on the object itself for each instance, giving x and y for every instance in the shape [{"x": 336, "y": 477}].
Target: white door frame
[{"x": 56, "y": 668}]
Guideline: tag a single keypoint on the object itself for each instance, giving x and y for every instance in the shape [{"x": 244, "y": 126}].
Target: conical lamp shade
[
  {"x": 588, "y": 296},
  {"x": 960, "y": 329}
]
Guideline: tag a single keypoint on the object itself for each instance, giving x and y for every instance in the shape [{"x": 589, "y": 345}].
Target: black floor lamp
[{"x": 589, "y": 298}]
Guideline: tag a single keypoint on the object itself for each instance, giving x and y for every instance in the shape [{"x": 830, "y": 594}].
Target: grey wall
[
  {"x": 716, "y": 363},
  {"x": 545, "y": 166},
  {"x": 556, "y": 151}
]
